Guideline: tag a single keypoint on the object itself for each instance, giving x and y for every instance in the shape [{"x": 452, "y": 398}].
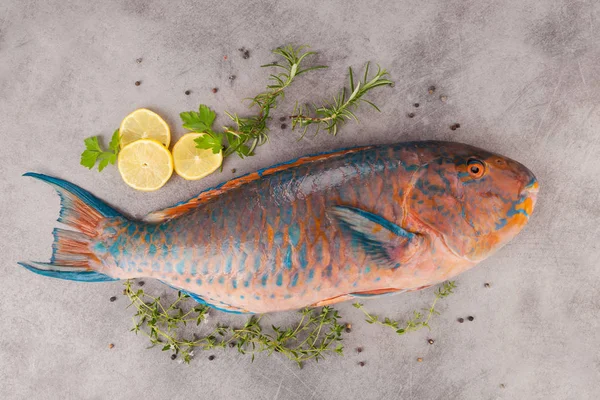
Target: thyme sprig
[
  {"x": 418, "y": 320},
  {"x": 316, "y": 335},
  {"x": 331, "y": 115}
]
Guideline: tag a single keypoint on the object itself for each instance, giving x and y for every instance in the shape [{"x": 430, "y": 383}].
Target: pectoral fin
[{"x": 385, "y": 242}]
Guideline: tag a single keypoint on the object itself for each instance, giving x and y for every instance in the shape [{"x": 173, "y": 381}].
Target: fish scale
[
  {"x": 280, "y": 257},
  {"x": 317, "y": 230}
]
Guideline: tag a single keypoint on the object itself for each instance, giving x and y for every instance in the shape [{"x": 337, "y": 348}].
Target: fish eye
[{"x": 475, "y": 168}]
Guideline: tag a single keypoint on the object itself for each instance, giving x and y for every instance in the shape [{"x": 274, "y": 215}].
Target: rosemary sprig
[
  {"x": 331, "y": 115},
  {"x": 418, "y": 320},
  {"x": 250, "y": 132},
  {"x": 291, "y": 66},
  {"x": 317, "y": 334}
]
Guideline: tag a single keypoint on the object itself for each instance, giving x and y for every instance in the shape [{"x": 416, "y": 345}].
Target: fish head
[{"x": 477, "y": 200}]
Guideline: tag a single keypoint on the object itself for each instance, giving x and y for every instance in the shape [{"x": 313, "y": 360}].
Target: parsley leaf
[
  {"x": 210, "y": 140},
  {"x": 200, "y": 121},
  {"x": 88, "y": 158},
  {"x": 93, "y": 152},
  {"x": 103, "y": 163},
  {"x": 92, "y": 144},
  {"x": 114, "y": 143}
]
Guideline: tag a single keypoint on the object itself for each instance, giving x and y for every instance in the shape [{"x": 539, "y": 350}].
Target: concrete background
[{"x": 522, "y": 78}]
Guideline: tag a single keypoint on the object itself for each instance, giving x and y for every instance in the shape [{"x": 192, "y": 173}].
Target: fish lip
[
  {"x": 533, "y": 186},
  {"x": 530, "y": 192}
]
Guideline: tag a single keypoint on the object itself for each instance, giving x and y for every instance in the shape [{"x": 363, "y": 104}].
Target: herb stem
[
  {"x": 250, "y": 132},
  {"x": 162, "y": 327},
  {"x": 331, "y": 115},
  {"x": 312, "y": 119},
  {"x": 417, "y": 321}
]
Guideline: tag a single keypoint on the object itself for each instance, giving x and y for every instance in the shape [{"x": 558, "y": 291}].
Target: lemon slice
[
  {"x": 192, "y": 163},
  {"x": 145, "y": 164},
  {"x": 144, "y": 124}
]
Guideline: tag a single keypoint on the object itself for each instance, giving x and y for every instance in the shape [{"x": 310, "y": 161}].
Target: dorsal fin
[{"x": 183, "y": 207}]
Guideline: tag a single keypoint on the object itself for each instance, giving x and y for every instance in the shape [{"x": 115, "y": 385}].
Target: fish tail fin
[
  {"x": 80, "y": 274},
  {"x": 73, "y": 255}
]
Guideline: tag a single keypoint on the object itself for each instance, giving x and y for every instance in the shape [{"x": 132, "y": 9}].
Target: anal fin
[
  {"x": 332, "y": 300},
  {"x": 349, "y": 296},
  {"x": 419, "y": 288},
  {"x": 221, "y": 307},
  {"x": 378, "y": 293}
]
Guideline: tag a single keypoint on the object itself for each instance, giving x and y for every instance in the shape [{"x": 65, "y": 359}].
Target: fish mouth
[
  {"x": 532, "y": 187},
  {"x": 529, "y": 194}
]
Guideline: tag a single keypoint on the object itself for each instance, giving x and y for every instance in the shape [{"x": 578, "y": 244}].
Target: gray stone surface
[{"x": 522, "y": 78}]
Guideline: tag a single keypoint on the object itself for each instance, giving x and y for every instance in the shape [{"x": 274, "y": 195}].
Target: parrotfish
[{"x": 354, "y": 223}]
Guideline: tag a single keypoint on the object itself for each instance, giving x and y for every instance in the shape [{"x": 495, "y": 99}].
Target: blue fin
[
  {"x": 73, "y": 255},
  {"x": 89, "y": 199},
  {"x": 69, "y": 273},
  {"x": 385, "y": 242},
  {"x": 192, "y": 295},
  {"x": 224, "y": 307}
]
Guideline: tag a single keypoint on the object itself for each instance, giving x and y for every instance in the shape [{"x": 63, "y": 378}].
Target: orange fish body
[{"x": 317, "y": 230}]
